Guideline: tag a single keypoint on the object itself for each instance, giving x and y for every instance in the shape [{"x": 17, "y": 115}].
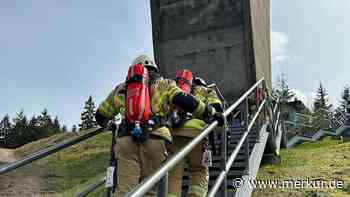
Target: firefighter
[
  {"x": 189, "y": 127},
  {"x": 138, "y": 160}
]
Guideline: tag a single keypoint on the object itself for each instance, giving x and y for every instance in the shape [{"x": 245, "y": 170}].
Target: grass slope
[
  {"x": 73, "y": 169},
  {"x": 70, "y": 171},
  {"x": 324, "y": 160}
]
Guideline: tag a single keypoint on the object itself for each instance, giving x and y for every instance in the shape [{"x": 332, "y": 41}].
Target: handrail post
[
  {"x": 163, "y": 186},
  {"x": 223, "y": 154},
  {"x": 266, "y": 95},
  {"x": 280, "y": 116},
  {"x": 246, "y": 171},
  {"x": 274, "y": 118},
  {"x": 257, "y": 140}
]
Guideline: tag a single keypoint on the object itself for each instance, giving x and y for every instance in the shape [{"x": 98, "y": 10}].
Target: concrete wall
[
  {"x": 211, "y": 37},
  {"x": 260, "y": 22}
]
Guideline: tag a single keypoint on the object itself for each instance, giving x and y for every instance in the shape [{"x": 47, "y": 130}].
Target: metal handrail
[
  {"x": 234, "y": 154},
  {"x": 240, "y": 100},
  {"x": 304, "y": 125},
  {"x": 91, "y": 188},
  {"x": 277, "y": 120},
  {"x": 48, "y": 151},
  {"x": 218, "y": 91},
  {"x": 149, "y": 182},
  {"x": 312, "y": 117},
  {"x": 335, "y": 123},
  {"x": 275, "y": 108},
  {"x": 307, "y": 116},
  {"x": 236, "y": 114}
]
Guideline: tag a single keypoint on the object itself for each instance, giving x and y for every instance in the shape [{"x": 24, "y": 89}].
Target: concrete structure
[{"x": 223, "y": 41}]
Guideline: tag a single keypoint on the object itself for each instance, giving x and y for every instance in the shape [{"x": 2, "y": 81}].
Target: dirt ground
[
  {"x": 7, "y": 155},
  {"x": 28, "y": 181}
]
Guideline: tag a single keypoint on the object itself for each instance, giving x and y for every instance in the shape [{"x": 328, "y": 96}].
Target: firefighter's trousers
[
  {"x": 136, "y": 161},
  {"x": 198, "y": 175}
]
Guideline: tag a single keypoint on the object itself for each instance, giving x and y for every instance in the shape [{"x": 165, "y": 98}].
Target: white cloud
[
  {"x": 279, "y": 46},
  {"x": 306, "y": 97}
]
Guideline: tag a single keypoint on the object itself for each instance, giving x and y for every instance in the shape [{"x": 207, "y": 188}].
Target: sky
[
  {"x": 310, "y": 45},
  {"x": 54, "y": 54}
]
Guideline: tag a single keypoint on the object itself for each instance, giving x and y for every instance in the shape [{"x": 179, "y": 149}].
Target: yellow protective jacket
[
  {"x": 162, "y": 94},
  {"x": 193, "y": 127}
]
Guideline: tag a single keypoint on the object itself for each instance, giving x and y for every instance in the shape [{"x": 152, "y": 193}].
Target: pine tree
[
  {"x": 64, "y": 128},
  {"x": 56, "y": 124},
  {"x": 44, "y": 119},
  {"x": 283, "y": 90},
  {"x": 21, "y": 120},
  {"x": 33, "y": 122},
  {"x": 322, "y": 107},
  {"x": 88, "y": 115},
  {"x": 21, "y": 133},
  {"x": 74, "y": 128},
  {"x": 345, "y": 102},
  {"x": 34, "y": 128},
  {"x": 47, "y": 127},
  {"x": 2, "y": 134},
  {"x": 5, "y": 123},
  {"x": 321, "y": 100},
  {"x": 5, "y": 131}
]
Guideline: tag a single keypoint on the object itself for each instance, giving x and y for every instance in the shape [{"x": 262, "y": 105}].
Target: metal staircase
[
  {"x": 239, "y": 167},
  {"x": 337, "y": 125},
  {"x": 318, "y": 135}
]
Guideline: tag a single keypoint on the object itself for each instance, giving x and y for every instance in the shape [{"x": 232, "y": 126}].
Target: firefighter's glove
[{"x": 211, "y": 115}]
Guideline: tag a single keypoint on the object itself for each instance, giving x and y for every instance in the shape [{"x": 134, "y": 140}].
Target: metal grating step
[{"x": 240, "y": 164}]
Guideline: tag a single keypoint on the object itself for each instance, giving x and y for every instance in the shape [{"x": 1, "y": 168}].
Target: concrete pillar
[{"x": 222, "y": 41}]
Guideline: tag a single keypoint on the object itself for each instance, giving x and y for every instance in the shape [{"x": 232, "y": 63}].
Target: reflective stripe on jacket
[{"x": 194, "y": 126}]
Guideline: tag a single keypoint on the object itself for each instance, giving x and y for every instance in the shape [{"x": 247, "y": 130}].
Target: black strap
[
  {"x": 156, "y": 121},
  {"x": 136, "y": 79},
  {"x": 183, "y": 118},
  {"x": 183, "y": 79},
  {"x": 126, "y": 127}
]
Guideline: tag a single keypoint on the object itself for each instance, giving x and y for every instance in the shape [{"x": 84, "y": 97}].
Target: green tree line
[{"x": 20, "y": 130}]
